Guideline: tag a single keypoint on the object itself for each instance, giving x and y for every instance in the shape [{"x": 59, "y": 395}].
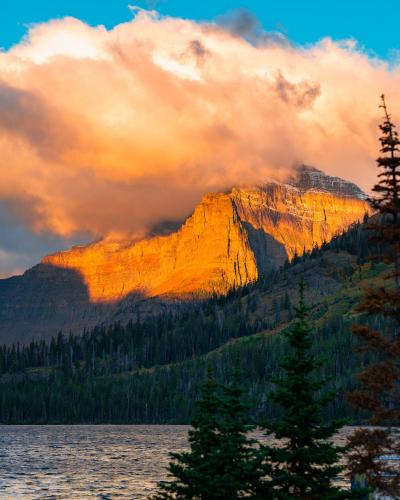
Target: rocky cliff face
[
  {"x": 228, "y": 241},
  {"x": 309, "y": 178},
  {"x": 211, "y": 251}
]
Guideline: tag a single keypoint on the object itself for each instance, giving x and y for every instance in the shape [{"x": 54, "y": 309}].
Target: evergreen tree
[
  {"x": 306, "y": 462},
  {"x": 379, "y": 394},
  {"x": 242, "y": 472},
  {"x": 222, "y": 462}
]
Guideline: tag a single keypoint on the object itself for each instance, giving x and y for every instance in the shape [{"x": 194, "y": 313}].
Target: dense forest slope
[
  {"x": 151, "y": 369},
  {"x": 230, "y": 241}
]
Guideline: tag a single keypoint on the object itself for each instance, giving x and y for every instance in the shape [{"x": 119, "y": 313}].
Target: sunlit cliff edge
[{"x": 228, "y": 241}]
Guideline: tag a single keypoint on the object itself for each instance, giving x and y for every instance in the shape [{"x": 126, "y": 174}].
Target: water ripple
[
  {"x": 102, "y": 462},
  {"x": 85, "y": 462}
]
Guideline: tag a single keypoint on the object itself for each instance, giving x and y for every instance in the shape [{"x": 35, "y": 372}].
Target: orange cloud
[{"x": 112, "y": 131}]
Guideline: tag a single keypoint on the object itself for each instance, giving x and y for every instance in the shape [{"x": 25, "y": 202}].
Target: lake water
[{"x": 86, "y": 461}]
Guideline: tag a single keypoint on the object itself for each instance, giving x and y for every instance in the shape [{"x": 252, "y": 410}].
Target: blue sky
[{"x": 374, "y": 24}]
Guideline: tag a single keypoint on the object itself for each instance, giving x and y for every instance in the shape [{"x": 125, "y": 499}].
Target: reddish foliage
[{"x": 379, "y": 394}]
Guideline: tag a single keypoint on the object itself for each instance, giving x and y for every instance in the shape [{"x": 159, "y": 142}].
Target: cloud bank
[{"x": 112, "y": 131}]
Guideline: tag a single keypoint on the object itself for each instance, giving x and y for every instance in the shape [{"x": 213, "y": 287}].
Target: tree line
[{"x": 173, "y": 337}]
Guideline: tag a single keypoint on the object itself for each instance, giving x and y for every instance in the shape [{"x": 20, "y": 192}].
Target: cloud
[
  {"x": 112, "y": 131},
  {"x": 244, "y": 24},
  {"x": 197, "y": 49},
  {"x": 240, "y": 22},
  {"x": 302, "y": 94},
  {"x": 9, "y": 264},
  {"x": 27, "y": 116},
  {"x": 19, "y": 247}
]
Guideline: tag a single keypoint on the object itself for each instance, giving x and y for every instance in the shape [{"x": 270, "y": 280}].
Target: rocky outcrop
[
  {"x": 210, "y": 252},
  {"x": 309, "y": 178},
  {"x": 228, "y": 241}
]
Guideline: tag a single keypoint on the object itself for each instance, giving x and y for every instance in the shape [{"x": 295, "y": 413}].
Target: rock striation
[{"x": 228, "y": 241}]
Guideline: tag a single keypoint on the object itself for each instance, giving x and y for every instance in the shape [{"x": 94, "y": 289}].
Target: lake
[{"x": 87, "y": 461}]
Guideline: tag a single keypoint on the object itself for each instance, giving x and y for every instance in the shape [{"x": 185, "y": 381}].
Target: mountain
[
  {"x": 230, "y": 240},
  {"x": 151, "y": 371}
]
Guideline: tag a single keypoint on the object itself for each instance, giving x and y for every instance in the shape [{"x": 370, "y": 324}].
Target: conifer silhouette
[
  {"x": 222, "y": 462},
  {"x": 305, "y": 462},
  {"x": 379, "y": 392}
]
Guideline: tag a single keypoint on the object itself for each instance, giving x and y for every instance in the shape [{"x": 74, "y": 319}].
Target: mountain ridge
[
  {"x": 230, "y": 240},
  {"x": 152, "y": 370}
]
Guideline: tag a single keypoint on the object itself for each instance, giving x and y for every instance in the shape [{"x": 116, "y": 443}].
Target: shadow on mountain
[
  {"x": 269, "y": 253},
  {"x": 164, "y": 228},
  {"x": 47, "y": 299}
]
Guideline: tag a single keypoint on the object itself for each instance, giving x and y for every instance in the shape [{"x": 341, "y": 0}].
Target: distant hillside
[
  {"x": 230, "y": 241},
  {"x": 150, "y": 371}
]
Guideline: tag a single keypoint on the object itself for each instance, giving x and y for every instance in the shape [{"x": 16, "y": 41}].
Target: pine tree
[
  {"x": 379, "y": 394},
  {"x": 222, "y": 462},
  {"x": 240, "y": 459},
  {"x": 305, "y": 463}
]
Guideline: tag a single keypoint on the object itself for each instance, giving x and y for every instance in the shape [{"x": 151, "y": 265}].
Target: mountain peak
[{"x": 310, "y": 178}]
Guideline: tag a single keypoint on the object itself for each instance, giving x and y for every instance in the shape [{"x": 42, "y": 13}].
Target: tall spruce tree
[
  {"x": 223, "y": 462},
  {"x": 305, "y": 462},
  {"x": 379, "y": 394}
]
